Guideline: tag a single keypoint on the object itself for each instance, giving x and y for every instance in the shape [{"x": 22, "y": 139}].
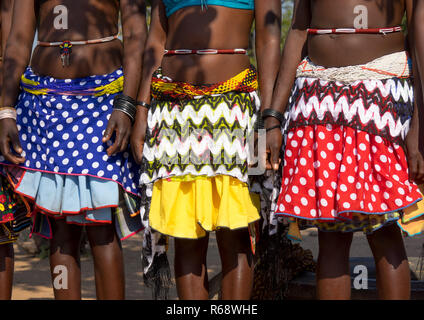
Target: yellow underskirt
[
  {"x": 188, "y": 208},
  {"x": 412, "y": 222}
]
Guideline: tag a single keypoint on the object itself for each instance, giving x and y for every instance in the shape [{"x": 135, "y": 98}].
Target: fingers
[
  {"x": 16, "y": 143},
  {"x": 8, "y": 155},
  {"x": 267, "y": 161},
  {"x": 118, "y": 144},
  {"x": 137, "y": 150},
  {"x": 109, "y": 131},
  {"x": 275, "y": 158}
]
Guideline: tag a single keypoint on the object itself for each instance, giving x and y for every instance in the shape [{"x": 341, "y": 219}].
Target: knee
[
  {"x": 234, "y": 245},
  {"x": 190, "y": 250},
  {"x": 101, "y": 235},
  {"x": 388, "y": 235},
  {"x": 334, "y": 245},
  {"x": 66, "y": 237}
]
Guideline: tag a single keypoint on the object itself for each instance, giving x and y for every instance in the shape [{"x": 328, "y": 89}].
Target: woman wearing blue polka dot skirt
[{"x": 63, "y": 144}]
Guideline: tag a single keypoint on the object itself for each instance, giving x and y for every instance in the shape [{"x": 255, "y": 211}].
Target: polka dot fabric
[
  {"x": 62, "y": 134},
  {"x": 333, "y": 173}
]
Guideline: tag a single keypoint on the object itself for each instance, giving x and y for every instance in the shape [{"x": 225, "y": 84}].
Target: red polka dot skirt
[{"x": 344, "y": 179}]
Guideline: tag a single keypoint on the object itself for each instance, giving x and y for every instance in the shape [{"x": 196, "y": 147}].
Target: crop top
[{"x": 174, "y": 5}]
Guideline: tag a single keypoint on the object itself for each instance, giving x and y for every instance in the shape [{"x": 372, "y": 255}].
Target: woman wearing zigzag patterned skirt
[{"x": 196, "y": 152}]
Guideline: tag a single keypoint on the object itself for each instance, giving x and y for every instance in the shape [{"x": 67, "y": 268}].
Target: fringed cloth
[
  {"x": 355, "y": 176},
  {"x": 67, "y": 172},
  {"x": 14, "y": 213},
  {"x": 195, "y": 165}
]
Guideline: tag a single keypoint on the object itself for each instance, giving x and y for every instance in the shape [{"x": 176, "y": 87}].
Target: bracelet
[
  {"x": 272, "y": 128},
  {"x": 273, "y": 113},
  {"x": 260, "y": 123},
  {"x": 7, "y": 108},
  {"x": 8, "y": 114},
  {"x": 126, "y": 105},
  {"x": 126, "y": 98},
  {"x": 143, "y": 104}
]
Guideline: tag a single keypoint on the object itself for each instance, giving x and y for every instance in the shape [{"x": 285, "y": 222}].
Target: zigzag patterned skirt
[
  {"x": 196, "y": 156},
  {"x": 344, "y": 166}
]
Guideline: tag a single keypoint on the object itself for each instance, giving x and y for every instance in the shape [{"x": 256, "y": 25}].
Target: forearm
[
  {"x": 15, "y": 61},
  {"x": 151, "y": 62},
  {"x": 133, "y": 63},
  {"x": 134, "y": 29},
  {"x": 292, "y": 56},
  {"x": 268, "y": 59}
]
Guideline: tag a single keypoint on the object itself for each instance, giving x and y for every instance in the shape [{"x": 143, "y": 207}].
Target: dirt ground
[{"x": 32, "y": 274}]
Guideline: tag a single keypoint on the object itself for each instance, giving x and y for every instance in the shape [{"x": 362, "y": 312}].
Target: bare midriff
[
  {"x": 337, "y": 50},
  {"x": 215, "y": 28},
  {"x": 87, "y": 20}
]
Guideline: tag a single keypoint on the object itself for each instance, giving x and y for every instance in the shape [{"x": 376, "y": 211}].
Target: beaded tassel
[{"x": 65, "y": 52}]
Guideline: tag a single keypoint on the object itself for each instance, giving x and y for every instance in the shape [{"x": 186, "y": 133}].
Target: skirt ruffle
[
  {"x": 185, "y": 208},
  {"x": 81, "y": 200},
  {"x": 343, "y": 179}
]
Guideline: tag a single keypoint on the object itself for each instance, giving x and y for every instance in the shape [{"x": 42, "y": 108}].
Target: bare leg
[
  {"x": 108, "y": 262},
  {"x": 6, "y": 271},
  {"x": 65, "y": 253},
  {"x": 190, "y": 268},
  {"x": 237, "y": 264},
  {"x": 393, "y": 275},
  {"x": 333, "y": 275}
]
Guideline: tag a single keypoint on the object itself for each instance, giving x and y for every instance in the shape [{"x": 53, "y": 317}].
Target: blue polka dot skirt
[{"x": 67, "y": 172}]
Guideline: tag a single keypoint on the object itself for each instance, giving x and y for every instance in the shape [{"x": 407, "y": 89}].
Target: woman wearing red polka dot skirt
[{"x": 351, "y": 151}]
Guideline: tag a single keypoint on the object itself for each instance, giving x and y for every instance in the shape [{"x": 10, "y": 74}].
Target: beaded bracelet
[{"x": 8, "y": 113}]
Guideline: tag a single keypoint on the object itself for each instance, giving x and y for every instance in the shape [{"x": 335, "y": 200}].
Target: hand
[
  {"x": 9, "y": 135},
  {"x": 414, "y": 157},
  {"x": 138, "y": 134},
  {"x": 119, "y": 123},
  {"x": 274, "y": 141}
]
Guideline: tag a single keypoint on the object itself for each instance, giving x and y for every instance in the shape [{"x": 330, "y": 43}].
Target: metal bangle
[
  {"x": 126, "y": 98},
  {"x": 143, "y": 104},
  {"x": 272, "y": 128},
  {"x": 127, "y": 113},
  {"x": 125, "y": 104},
  {"x": 260, "y": 123},
  {"x": 273, "y": 113}
]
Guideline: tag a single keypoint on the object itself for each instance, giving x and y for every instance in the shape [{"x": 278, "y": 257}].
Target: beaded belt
[
  {"x": 205, "y": 51},
  {"x": 66, "y": 46},
  {"x": 352, "y": 30}
]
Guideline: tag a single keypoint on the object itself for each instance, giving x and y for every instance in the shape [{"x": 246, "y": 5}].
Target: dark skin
[
  {"x": 419, "y": 51},
  {"x": 87, "y": 20},
  {"x": 223, "y": 28},
  {"x": 333, "y": 278},
  {"x": 6, "y": 250}
]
